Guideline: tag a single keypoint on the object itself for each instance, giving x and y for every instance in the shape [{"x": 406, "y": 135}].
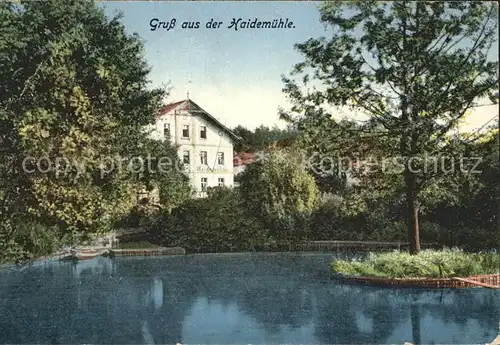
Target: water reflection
[
  {"x": 99, "y": 266},
  {"x": 157, "y": 293},
  {"x": 213, "y": 299}
]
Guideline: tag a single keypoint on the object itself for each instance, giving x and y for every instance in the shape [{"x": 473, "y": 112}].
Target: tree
[
  {"x": 476, "y": 210},
  {"x": 263, "y": 137},
  {"x": 244, "y": 145},
  {"x": 160, "y": 170},
  {"x": 74, "y": 101},
  {"x": 414, "y": 69},
  {"x": 279, "y": 191}
]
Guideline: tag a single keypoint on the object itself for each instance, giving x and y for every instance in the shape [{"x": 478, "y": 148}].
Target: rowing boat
[{"x": 86, "y": 254}]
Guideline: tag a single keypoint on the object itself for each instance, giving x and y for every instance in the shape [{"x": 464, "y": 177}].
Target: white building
[{"x": 205, "y": 144}]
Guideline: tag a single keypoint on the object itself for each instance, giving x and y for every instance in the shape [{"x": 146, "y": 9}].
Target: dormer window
[
  {"x": 203, "y": 132},
  {"x": 185, "y": 131}
]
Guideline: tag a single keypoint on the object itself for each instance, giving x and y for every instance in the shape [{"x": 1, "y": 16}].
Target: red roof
[
  {"x": 243, "y": 158},
  {"x": 169, "y": 107}
]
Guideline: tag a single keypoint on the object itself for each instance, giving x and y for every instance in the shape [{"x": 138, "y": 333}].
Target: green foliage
[
  {"x": 414, "y": 69},
  {"x": 75, "y": 86},
  {"x": 429, "y": 264},
  {"x": 137, "y": 245},
  {"x": 362, "y": 227},
  {"x": 30, "y": 240},
  {"x": 279, "y": 185},
  {"x": 279, "y": 191},
  {"x": 75, "y": 89},
  {"x": 140, "y": 216},
  {"x": 218, "y": 223},
  {"x": 479, "y": 197},
  {"x": 385, "y": 222},
  {"x": 175, "y": 189},
  {"x": 263, "y": 137},
  {"x": 161, "y": 171}
]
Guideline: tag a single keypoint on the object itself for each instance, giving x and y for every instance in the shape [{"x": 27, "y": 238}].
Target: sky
[{"x": 234, "y": 75}]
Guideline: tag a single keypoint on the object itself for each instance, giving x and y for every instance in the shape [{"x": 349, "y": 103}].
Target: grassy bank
[{"x": 429, "y": 264}]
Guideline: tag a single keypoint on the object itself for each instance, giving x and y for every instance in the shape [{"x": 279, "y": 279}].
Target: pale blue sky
[{"x": 234, "y": 75}]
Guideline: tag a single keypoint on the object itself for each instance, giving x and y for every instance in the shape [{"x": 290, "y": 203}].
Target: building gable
[{"x": 195, "y": 110}]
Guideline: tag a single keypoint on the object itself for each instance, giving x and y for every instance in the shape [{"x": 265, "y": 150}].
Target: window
[
  {"x": 185, "y": 131},
  {"x": 203, "y": 132},
  {"x": 166, "y": 130},
  {"x": 221, "y": 182},
  {"x": 203, "y": 157},
  {"x": 220, "y": 158},
  {"x": 185, "y": 157},
  {"x": 203, "y": 184}
]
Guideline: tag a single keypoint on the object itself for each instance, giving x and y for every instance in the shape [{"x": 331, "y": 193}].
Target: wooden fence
[{"x": 358, "y": 246}]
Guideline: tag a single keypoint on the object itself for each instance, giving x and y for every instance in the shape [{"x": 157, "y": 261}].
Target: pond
[{"x": 230, "y": 299}]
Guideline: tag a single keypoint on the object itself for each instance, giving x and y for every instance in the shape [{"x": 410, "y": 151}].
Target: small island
[{"x": 430, "y": 268}]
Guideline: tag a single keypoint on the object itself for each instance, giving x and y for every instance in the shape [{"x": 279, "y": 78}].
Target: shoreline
[
  {"x": 306, "y": 247},
  {"x": 491, "y": 281}
]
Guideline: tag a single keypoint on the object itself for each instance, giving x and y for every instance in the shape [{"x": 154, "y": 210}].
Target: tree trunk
[{"x": 412, "y": 213}]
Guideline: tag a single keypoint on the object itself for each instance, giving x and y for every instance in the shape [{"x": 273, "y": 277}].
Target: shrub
[
  {"x": 328, "y": 224},
  {"x": 29, "y": 240},
  {"x": 141, "y": 215},
  {"x": 469, "y": 238},
  {"x": 278, "y": 187},
  {"x": 216, "y": 223}
]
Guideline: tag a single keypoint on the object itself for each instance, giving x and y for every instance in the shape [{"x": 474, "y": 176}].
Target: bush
[
  {"x": 29, "y": 240},
  {"x": 290, "y": 228},
  {"x": 428, "y": 264},
  {"x": 328, "y": 224},
  {"x": 468, "y": 238},
  {"x": 141, "y": 215},
  {"x": 217, "y": 223},
  {"x": 279, "y": 187}
]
